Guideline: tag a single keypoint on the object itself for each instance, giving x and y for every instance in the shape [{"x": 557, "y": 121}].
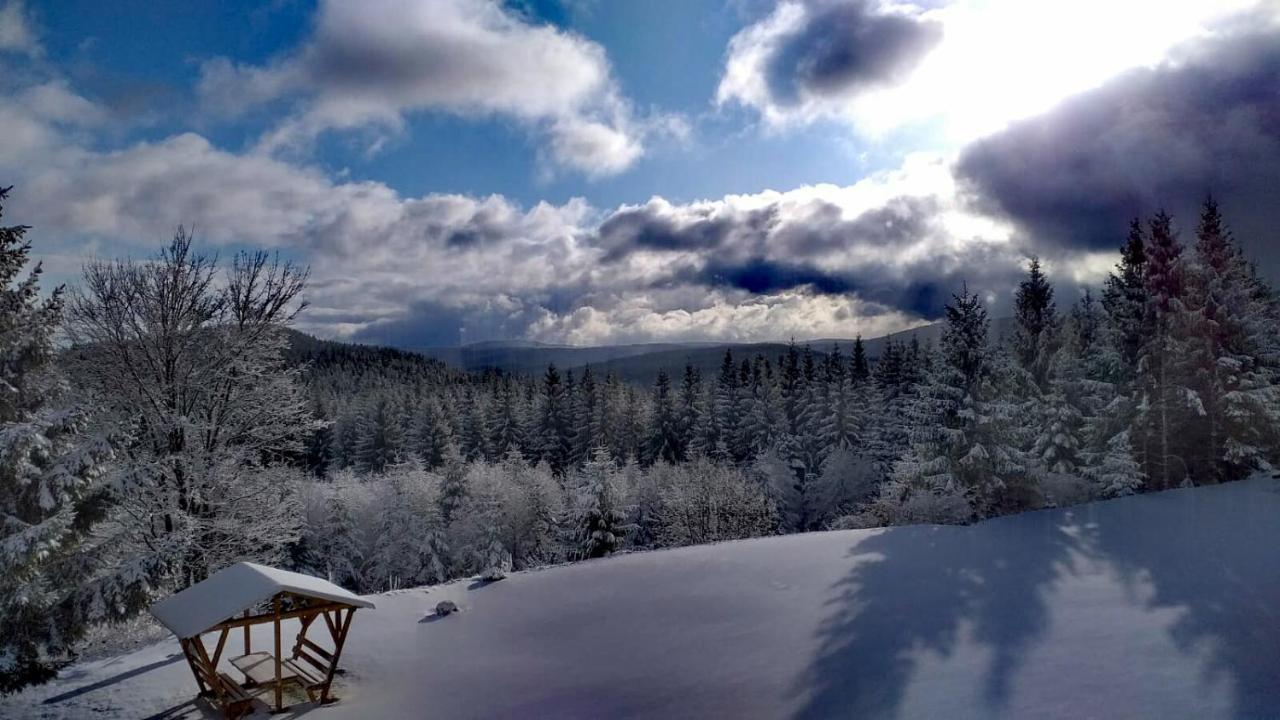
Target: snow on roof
[{"x": 234, "y": 589}]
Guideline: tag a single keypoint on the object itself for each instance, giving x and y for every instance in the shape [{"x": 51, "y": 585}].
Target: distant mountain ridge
[{"x": 641, "y": 362}]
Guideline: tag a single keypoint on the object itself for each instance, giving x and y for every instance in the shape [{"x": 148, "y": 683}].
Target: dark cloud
[
  {"x": 1165, "y": 137},
  {"x": 434, "y": 324},
  {"x": 425, "y": 324},
  {"x": 650, "y": 227},
  {"x": 845, "y": 47},
  {"x": 761, "y": 276},
  {"x": 898, "y": 223},
  {"x": 920, "y": 289},
  {"x": 815, "y": 229}
]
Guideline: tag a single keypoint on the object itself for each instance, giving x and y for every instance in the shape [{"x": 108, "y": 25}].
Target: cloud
[
  {"x": 958, "y": 70},
  {"x": 371, "y": 63},
  {"x": 807, "y": 54},
  {"x": 17, "y": 33},
  {"x": 822, "y": 260},
  {"x": 1207, "y": 120}
]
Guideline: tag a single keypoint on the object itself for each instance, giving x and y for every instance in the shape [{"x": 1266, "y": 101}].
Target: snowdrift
[{"x": 1163, "y": 605}]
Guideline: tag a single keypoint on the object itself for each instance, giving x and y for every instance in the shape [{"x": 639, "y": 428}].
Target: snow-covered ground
[{"x": 1163, "y": 606}]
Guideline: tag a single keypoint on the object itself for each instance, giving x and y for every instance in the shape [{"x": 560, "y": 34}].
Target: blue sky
[
  {"x": 586, "y": 171},
  {"x": 667, "y": 55}
]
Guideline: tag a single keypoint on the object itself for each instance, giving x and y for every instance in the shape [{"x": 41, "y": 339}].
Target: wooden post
[
  {"x": 275, "y": 603},
  {"x": 338, "y": 640},
  {"x": 191, "y": 661},
  {"x": 246, "y": 634}
]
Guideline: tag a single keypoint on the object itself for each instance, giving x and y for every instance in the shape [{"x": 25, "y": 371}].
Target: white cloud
[
  {"x": 997, "y": 60},
  {"x": 17, "y": 34},
  {"x": 370, "y": 63},
  {"x": 391, "y": 267},
  {"x": 818, "y": 260},
  {"x": 729, "y": 317}
]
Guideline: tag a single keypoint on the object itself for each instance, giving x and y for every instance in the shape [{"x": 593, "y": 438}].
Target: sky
[{"x": 596, "y": 172}]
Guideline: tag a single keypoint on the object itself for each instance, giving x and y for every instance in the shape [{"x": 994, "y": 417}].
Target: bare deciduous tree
[{"x": 189, "y": 363}]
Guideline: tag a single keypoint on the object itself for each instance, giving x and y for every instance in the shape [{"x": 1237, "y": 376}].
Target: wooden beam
[
  {"x": 285, "y": 615},
  {"x": 275, "y": 603},
  {"x": 246, "y": 633},
  {"x": 304, "y": 623},
  {"x": 217, "y": 653}
]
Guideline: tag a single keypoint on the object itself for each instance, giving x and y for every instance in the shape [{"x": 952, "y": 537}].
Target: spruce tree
[
  {"x": 382, "y": 442},
  {"x": 554, "y": 430},
  {"x": 962, "y": 446},
  {"x": 665, "y": 443},
  {"x": 1124, "y": 298},
  {"x": 599, "y": 524},
  {"x": 1035, "y": 324},
  {"x": 690, "y": 411},
  {"x": 1167, "y": 402},
  {"x": 1227, "y": 350},
  {"x": 860, "y": 370},
  {"x": 49, "y": 478},
  {"x": 432, "y": 434},
  {"x": 728, "y": 421}
]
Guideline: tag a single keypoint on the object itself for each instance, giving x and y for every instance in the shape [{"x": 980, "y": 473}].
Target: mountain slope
[{"x": 1152, "y": 606}]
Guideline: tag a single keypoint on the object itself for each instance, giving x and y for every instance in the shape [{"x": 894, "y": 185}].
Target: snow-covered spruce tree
[
  {"x": 1111, "y": 357},
  {"x": 1047, "y": 380},
  {"x": 473, "y": 436},
  {"x": 664, "y": 442},
  {"x": 726, "y": 407},
  {"x": 553, "y": 433},
  {"x": 962, "y": 461},
  {"x": 189, "y": 366},
  {"x": 506, "y": 421},
  {"x": 49, "y": 478},
  {"x": 842, "y": 425},
  {"x": 1228, "y": 350},
  {"x": 859, "y": 368},
  {"x": 598, "y": 524},
  {"x": 691, "y": 409},
  {"x": 431, "y": 434},
  {"x": 763, "y": 420},
  {"x": 382, "y": 441},
  {"x": 1036, "y": 324},
  {"x": 588, "y": 418},
  {"x": 1168, "y": 404},
  {"x": 1113, "y": 471},
  {"x": 454, "y": 483},
  {"x": 1124, "y": 298}
]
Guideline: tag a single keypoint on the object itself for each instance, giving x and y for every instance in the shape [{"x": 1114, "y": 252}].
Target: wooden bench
[{"x": 235, "y": 700}]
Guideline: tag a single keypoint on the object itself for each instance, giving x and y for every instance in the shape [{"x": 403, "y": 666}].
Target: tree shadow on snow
[
  {"x": 913, "y": 590},
  {"x": 121, "y": 677},
  {"x": 1216, "y": 560}
]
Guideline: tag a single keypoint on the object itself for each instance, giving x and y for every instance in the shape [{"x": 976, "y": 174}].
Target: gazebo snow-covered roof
[
  {"x": 226, "y": 600},
  {"x": 234, "y": 589}
]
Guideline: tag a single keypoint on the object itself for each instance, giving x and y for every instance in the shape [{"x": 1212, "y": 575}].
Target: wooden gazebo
[{"x": 244, "y": 595}]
